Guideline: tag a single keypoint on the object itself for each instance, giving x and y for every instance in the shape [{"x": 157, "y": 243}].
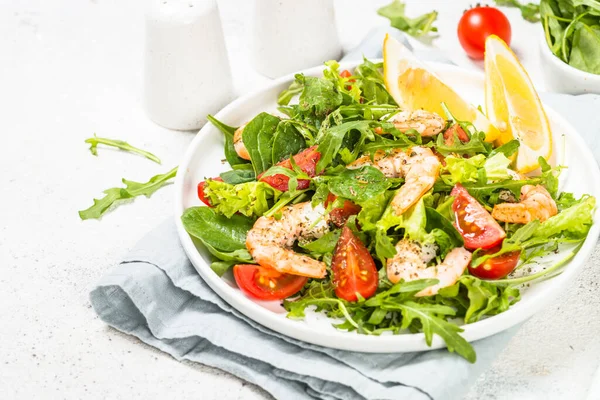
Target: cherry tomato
[
  {"x": 266, "y": 283},
  {"x": 202, "y": 195},
  {"x": 477, "y": 24},
  {"x": 306, "y": 160},
  {"x": 475, "y": 224},
  {"x": 449, "y": 135},
  {"x": 497, "y": 267},
  {"x": 340, "y": 215},
  {"x": 353, "y": 268},
  {"x": 345, "y": 74}
]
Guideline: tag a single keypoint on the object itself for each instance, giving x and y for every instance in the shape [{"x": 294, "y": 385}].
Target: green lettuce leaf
[
  {"x": 250, "y": 198},
  {"x": 496, "y": 167}
]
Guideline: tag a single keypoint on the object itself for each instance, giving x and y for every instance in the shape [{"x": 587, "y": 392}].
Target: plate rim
[{"x": 387, "y": 343}]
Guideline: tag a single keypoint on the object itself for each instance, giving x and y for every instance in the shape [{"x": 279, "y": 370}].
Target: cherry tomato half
[
  {"x": 497, "y": 267},
  {"x": 460, "y": 133},
  {"x": 340, "y": 215},
  {"x": 306, "y": 160},
  {"x": 266, "y": 283},
  {"x": 353, "y": 268},
  {"x": 477, "y": 24},
  {"x": 202, "y": 195},
  {"x": 475, "y": 224},
  {"x": 345, "y": 74}
]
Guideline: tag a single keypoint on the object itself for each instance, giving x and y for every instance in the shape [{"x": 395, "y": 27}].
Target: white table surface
[{"x": 71, "y": 68}]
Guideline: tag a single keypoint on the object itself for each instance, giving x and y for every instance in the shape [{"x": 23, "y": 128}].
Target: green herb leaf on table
[
  {"x": 529, "y": 11},
  {"x": 119, "y": 144},
  {"x": 421, "y": 26},
  {"x": 132, "y": 189}
]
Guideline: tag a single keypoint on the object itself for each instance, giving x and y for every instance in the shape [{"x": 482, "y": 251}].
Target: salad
[{"x": 387, "y": 220}]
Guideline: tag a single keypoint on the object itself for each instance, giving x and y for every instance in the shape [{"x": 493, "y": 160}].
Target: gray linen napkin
[{"x": 156, "y": 295}]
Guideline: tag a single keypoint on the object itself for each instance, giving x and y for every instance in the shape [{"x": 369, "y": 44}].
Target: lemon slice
[
  {"x": 513, "y": 104},
  {"x": 413, "y": 86}
]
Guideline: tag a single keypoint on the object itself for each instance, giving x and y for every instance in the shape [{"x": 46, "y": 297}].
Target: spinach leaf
[
  {"x": 230, "y": 154},
  {"x": 258, "y": 139},
  {"x": 236, "y": 176},
  {"x": 360, "y": 184},
  {"x": 287, "y": 141},
  {"x": 216, "y": 230}
]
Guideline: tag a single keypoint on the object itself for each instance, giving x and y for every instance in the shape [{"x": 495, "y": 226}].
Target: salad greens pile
[
  {"x": 344, "y": 117},
  {"x": 572, "y": 30}
]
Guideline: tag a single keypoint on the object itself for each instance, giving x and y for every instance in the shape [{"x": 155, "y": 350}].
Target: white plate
[{"x": 203, "y": 159}]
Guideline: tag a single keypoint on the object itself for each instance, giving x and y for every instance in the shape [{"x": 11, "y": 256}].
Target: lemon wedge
[
  {"x": 513, "y": 104},
  {"x": 413, "y": 86}
]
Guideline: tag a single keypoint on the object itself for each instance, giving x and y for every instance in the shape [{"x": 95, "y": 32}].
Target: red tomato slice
[
  {"x": 340, "y": 215},
  {"x": 477, "y": 24},
  {"x": 306, "y": 160},
  {"x": 265, "y": 283},
  {"x": 201, "y": 194},
  {"x": 353, "y": 268},
  {"x": 475, "y": 224},
  {"x": 345, "y": 74},
  {"x": 449, "y": 135},
  {"x": 497, "y": 267}
]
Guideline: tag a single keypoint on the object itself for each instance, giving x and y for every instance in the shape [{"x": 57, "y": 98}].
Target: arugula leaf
[
  {"x": 475, "y": 145},
  {"x": 359, "y": 184},
  {"x": 250, "y": 198},
  {"x": 132, "y": 189},
  {"x": 325, "y": 244},
  {"x": 230, "y": 154},
  {"x": 529, "y": 11},
  {"x": 435, "y": 220},
  {"x": 119, "y": 144},
  {"x": 258, "y": 139},
  {"x": 284, "y": 97},
  {"x": 331, "y": 140},
  {"x": 508, "y": 148},
  {"x": 418, "y": 27},
  {"x": 216, "y": 230},
  {"x": 319, "y": 96}
]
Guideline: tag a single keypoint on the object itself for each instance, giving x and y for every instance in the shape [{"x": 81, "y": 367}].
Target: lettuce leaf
[
  {"x": 496, "y": 167},
  {"x": 573, "y": 222},
  {"x": 462, "y": 170},
  {"x": 250, "y": 198}
]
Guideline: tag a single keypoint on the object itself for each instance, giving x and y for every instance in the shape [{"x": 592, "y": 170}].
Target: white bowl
[
  {"x": 561, "y": 77},
  {"x": 203, "y": 159}
]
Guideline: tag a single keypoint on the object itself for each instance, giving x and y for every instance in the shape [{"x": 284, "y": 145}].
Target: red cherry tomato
[
  {"x": 266, "y": 283},
  {"x": 306, "y": 160},
  {"x": 202, "y": 195},
  {"x": 345, "y": 74},
  {"x": 475, "y": 224},
  {"x": 353, "y": 268},
  {"x": 340, "y": 215},
  {"x": 497, "y": 267},
  {"x": 477, "y": 24},
  {"x": 449, "y": 135}
]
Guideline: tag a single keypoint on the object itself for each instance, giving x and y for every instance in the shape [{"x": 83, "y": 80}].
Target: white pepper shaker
[
  {"x": 290, "y": 35},
  {"x": 187, "y": 73}
]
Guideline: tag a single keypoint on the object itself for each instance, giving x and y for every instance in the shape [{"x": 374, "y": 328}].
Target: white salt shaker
[
  {"x": 187, "y": 74},
  {"x": 289, "y": 35}
]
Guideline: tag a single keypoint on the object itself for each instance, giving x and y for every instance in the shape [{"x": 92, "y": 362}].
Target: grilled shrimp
[
  {"x": 270, "y": 240},
  {"x": 425, "y": 122},
  {"x": 418, "y": 166},
  {"x": 536, "y": 203},
  {"x": 238, "y": 144},
  {"x": 410, "y": 263}
]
